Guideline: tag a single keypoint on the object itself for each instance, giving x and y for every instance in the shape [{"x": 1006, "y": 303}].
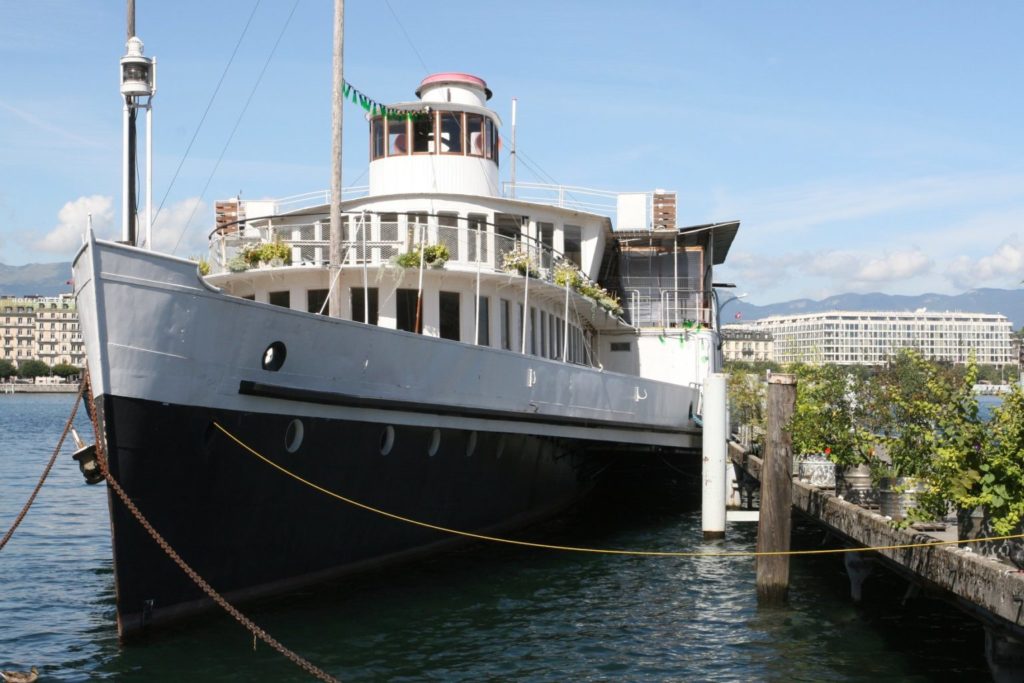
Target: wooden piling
[{"x": 773, "y": 527}]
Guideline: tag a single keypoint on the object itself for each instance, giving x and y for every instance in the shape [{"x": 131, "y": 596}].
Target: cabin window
[
  {"x": 543, "y": 334},
  {"x": 508, "y": 229},
  {"x": 251, "y": 297},
  {"x": 554, "y": 326},
  {"x": 475, "y": 135},
  {"x": 398, "y": 137},
  {"x": 388, "y": 227},
  {"x": 506, "y": 324},
  {"x": 483, "y": 321},
  {"x": 416, "y": 230},
  {"x": 477, "y": 223},
  {"x": 491, "y": 144},
  {"x": 545, "y": 235},
  {"x": 405, "y": 310},
  {"x": 620, "y": 346},
  {"x": 533, "y": 331},
  {"x": 362, "y": 305},
  {"x": 282, "y": 299},
  {"x": 423, "y": 134},
  {"x": 572, "y": 244},
  {"x": 448, "y": 305},
  {"x": 448, "y": 233},
  {"x": 315, "y": 300},
  {"x": 376, "y": 138},
  {"x": 520, "y": 322},
  {"x": 451, "y": 132}
]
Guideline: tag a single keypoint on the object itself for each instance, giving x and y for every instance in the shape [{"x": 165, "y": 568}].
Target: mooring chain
[
  {"x": 46, "y": 470},
  {"x": 191, "y": 573}
]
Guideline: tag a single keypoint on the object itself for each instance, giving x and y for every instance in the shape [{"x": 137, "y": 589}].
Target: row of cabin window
[
  {"x": 458, "y": 133},
  {"x": 546, "y": 330}
]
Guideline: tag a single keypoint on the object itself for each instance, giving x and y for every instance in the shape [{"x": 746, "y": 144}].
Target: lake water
[{"x": 483, "y": 613}]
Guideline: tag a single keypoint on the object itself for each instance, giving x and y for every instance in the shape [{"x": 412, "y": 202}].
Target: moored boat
[{"x": 490, "y": 356}]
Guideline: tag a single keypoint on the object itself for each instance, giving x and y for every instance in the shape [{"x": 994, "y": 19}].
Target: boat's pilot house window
[
  {"x": 445, "y": 132},
  {"x": 423, "y": 134},
  {"x": 397, "y": 137},
  {"x": 451, "y": 132}
]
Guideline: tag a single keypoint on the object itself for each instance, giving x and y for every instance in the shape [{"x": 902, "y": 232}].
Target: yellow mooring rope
[{"x": 598, "y": 551}]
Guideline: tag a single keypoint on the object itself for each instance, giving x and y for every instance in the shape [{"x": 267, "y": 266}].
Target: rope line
[
  {"x": 597, "y": 551},
  {"x": 212, "y": 593},
  {"x": 46, "y": 470}
]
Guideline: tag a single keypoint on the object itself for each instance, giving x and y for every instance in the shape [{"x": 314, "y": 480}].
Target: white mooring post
[{"x": 713, "y": 474}]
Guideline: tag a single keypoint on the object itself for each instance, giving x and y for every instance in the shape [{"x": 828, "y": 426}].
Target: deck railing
[
  {"x": 468, "y": 246},
  {"x": 378, "y": 243}
]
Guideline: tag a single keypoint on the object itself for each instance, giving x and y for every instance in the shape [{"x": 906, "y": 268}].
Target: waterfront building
[
  {"x": 40, "y": 328},
  {"x": 746, "y": 343},
  {"x": 872, "y": 337}
]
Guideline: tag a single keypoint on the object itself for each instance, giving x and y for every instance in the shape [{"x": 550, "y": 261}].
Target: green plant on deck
[
  {"x": 520, "y": 261},
  {"x": 269, "y": 251},
  {"x": 566, "y": 273},
  {"x": 238, "y": 263},
  {"x": 433, "y": 256},
  {"x": 202, "y": 264},
  {"x": 252, "y": 254}
]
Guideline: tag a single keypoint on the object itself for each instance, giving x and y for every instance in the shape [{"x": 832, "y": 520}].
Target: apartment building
[
  {"x": 40, "y": 328},
  {"x": 746, "y": 343},
  {"x": 871, "y": 337}
]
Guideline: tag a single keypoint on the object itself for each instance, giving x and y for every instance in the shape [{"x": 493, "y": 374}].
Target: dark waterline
[{"x": 481, "y": 613}]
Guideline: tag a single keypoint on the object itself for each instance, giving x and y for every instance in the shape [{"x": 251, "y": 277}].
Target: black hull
[{"x": 251, "y": 530}]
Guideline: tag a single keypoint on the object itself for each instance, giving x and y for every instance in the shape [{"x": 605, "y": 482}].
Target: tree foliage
[
  {"x": 7, "y": 369},
  {"x": 66, "y": 370},
  {"x": 29, "y": 369}
]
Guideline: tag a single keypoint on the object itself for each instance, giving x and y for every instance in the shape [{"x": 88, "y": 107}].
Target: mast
[
  {"x": 138, "y": 85},
  {"x": 334, "y": 309}
]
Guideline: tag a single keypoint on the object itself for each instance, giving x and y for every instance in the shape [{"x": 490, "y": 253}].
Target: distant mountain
[
  {"x": 41, "y": 279},
  {"x": 1008, "y": 302}
]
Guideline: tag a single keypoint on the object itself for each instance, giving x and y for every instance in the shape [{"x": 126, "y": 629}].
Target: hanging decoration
[{"x": 373, "y": 107}]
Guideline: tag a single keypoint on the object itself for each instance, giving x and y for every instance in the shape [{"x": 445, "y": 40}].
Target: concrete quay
[
  {"x": 986, "y": 589},
  {"x": 13, "y": 388}
]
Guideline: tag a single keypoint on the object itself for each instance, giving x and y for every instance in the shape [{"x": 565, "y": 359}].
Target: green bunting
[{"x": 373, "y": 107}]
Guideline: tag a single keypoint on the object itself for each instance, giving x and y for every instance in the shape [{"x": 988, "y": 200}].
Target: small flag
[{"x": 738, "y": 315}]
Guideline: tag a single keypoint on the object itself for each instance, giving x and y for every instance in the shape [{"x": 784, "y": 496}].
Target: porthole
[
  {"x": 471, "y": 444},
  {"x": 273, "y": 356},
  {"x": 387, "y": 440},
  {"x": 293, "y": 435},
  {"x": 435, "y": 443}
]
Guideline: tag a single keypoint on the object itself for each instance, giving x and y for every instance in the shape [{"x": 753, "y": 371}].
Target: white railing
[
  {"x": 567, "y": 196},
  {"x": 317, "y": 198},
  {"x": 666, "y": 308},
  {"x": 366, "y": 240}
]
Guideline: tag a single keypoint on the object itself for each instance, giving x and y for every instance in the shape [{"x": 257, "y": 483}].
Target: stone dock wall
[{"x": 991, "y": 590}]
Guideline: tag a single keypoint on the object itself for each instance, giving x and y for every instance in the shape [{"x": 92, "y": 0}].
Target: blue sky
[{"x": 865, "y": 146}]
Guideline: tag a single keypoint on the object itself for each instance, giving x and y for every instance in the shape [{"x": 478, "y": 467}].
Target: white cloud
[
  {"x": 787, "y": 209},
  {"x": 174, "y": 232},
  {"x": 1004, "y": 266},
  {"x": 899, "y": 265},
  {"x": 73, "y": 219}
]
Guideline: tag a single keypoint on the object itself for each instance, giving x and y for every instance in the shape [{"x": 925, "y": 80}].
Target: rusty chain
[
  {"x": 256, "y": 631},
  {"x": 46, "y": 470}
]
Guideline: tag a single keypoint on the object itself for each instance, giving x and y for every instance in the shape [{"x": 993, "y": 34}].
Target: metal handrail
[{"x": 377, "y": 243}]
